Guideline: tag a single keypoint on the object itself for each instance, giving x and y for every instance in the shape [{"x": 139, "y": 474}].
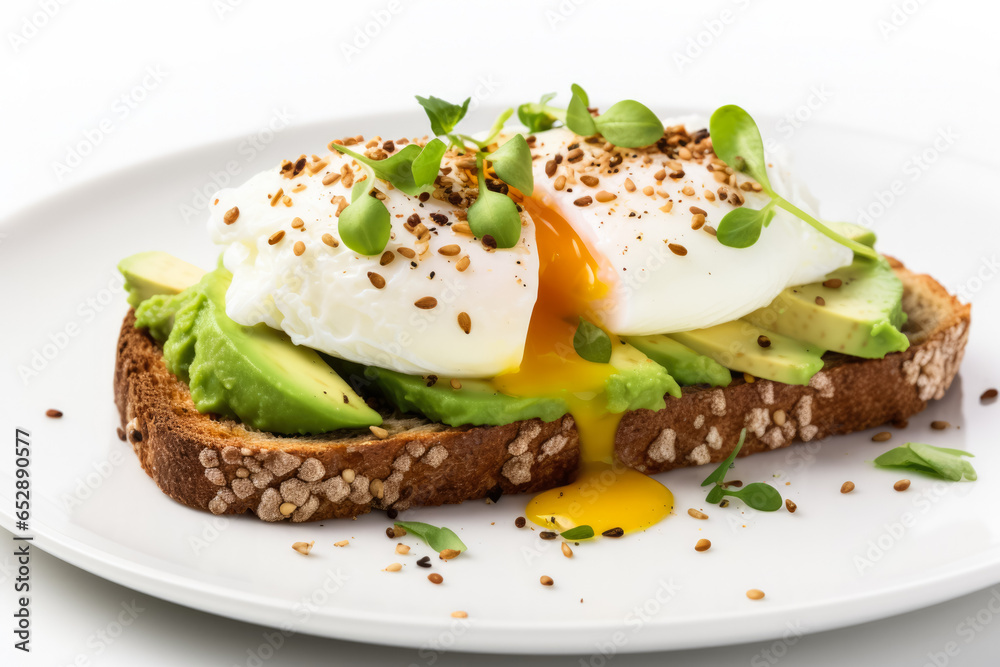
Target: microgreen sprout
[
  {"x": 758, "y": 495},
  {"x": 736, "y": 140},
  {"x": 592, "y": 343}
]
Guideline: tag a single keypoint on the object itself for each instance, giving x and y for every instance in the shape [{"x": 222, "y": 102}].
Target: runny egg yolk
[{"x": 606, "y": 494}]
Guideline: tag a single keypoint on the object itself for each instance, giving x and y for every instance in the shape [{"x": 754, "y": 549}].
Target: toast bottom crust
[{"x": 224, "y": 467}]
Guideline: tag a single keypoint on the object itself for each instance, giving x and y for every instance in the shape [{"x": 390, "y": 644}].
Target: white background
[{"x": 93, "y": 87}]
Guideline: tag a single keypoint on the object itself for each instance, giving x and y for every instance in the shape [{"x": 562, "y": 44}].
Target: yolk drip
[{"x": 605, "y": 495}]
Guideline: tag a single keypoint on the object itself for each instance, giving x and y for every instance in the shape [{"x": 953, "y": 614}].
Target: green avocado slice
[
  {"x": 254, "y": 373},
  {"x": 684, "y": 364},
  {"x": 857, "y": 310},
  {"x": 150, "y": 273},
  {"x": 737, "y": 345}
]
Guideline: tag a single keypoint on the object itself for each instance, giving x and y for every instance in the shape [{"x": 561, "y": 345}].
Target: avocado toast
[{"x": 384, "y": 334}]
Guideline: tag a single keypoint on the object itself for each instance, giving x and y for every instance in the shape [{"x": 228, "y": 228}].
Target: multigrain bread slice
[{"x": 224, "y": 467}]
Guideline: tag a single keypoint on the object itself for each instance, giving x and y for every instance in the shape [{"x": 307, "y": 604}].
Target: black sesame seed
[
  {"x": 392, "y": 513},
  {"x": 424, "y": 562},
  {"x": 519, "y": 522},
  {"x": 495, "y": 493},
  {"x": 547, "y": 535}
]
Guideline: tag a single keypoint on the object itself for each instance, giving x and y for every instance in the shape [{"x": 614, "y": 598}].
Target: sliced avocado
[
  {"x": 861, "y": 317},
  {"x": 150, "y": 273},
  {"x": 859, "y": 233},
  {"x": 637, "y": 383},
  {"x": 737, "y": 345},
  {"x": 254, "y": 373},
  {"x": 684, "y": 364}
]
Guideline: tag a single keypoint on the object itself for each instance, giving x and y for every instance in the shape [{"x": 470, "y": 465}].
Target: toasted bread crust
[{"x": 223, "y": 467}]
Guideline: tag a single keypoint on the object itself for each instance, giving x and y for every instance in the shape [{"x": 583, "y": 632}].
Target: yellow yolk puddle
[{"x": 606, "y": 494}]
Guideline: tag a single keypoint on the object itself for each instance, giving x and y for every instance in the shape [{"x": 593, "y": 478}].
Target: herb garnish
[
  {"x": 578, "y": 533},
  {"x": 436, "y": 538},
  {"x": 592, "y": 343},
  {"x": 758, "y": 495},
  {"x": 937, "y": 461},
  {"x": 736, "y": 140},
  {"x": 628, "y": 123}
]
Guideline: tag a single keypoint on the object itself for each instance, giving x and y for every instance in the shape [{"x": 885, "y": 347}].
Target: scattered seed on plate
[
  {"x": 546, "y": 580},
  {"x": 695, "y": 514},
  {"x": 459, "y": 614},
  {"x": 548, "y": 535},
  {"x": 703, "y": 545},
  {"x": 755, "y": 594},
  {"x": 435, "y": 578},
  {"x": 448, "y": 554},
  {"x": 847, "y": 487},
  {"x": 519, "y": 522},
  {"x": 402, "y": 549},
  {"x": 393, "y": 567},
  {"x": 567, "y": 551},
  {"x": 424, "y": 562},
  {"x": 988, "y": 395},
  {"x": 342, "y": 543},
  {"x": 881, "y": 436},
  {"x": 303, "y": 547},
  {"x": 53, "y": 414},
  {"x": 790, "y": 506},
  {"x": 939, "y": 425}
]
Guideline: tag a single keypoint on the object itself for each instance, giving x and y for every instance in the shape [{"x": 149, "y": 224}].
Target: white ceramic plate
[{"x": 94, "y": 507}]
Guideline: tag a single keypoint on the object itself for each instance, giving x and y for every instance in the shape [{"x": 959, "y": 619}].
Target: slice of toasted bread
[{"x": 227, "y": 468}]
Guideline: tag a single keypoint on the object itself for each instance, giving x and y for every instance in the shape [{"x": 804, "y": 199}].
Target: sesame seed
[
  {"x": 465, "y": 322},
  {"x": 298, "y": 223},
  {"x": 286, "y": 509},
  {"x": 847, "y": 487},
  {"x": 342, "y": 543},
  {"x": 648, "y": 191},
  {"x": 546, "y": 580},
  {"x": 703, "y": 545},
  {"x": 450, "y": 250},
  {"x": 613, "y": 532},
  {"x": 377, "y": 280},
  {"x": 629, "y": 185},
  {"x": 660, "y": 175},
  {"x": 583, "y": 201},
  {"x": 53, "y": 414},
  {"x": 277, "y": 197},
  {"x": 550, "y": 168},
  {"x": 406, "y": 252},
  {"x": 677, "y": 249},
  {"x": 567, "y": 551},
  {"x": 589, "y": 180},
  {"x": 575, "y": 155},
  {"x": 604, "y": 196},
  {"x": 688, "y": 190},
  {"x": 331, "y": 178},
  {"x": 881, "y": 436},
  {"x": 790, "y": 506},
  {"x": 939, "y": 425},
  {"x": 463, "y": 263},
  {"x": 276, "y": 237},
  {"x": 379, "y": 433},
  {"x": 459, "y": 614},
  {"x": 755, "y": 594},
  {"x": 833, "y": 283},
  {"x": 393, "y": 567},
  {"x": 455, "y": 383},
  {"x": 435, "y": 578},
  {"x": 988, "y": 395},
  {"x": 303, "y": 547},
  {"x": 448, "y": 554},
  {"x": 902, "y": 485},
  {"x": 231, "y": 215},
  {"x": 763, "y": 341},
  {"x": 426, "y": 302},
  {"x": 386, "y": 258},
  {"x": 299, "y": 248},
  {"x": 560, "y": 183},
  {"x": 779, "y": 417},
  {"x": 695, "y": 514},
  {"x": 820, "y": 301}
]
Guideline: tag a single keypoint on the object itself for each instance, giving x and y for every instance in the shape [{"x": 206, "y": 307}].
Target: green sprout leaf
[
  {"x": 629, "y": 124},
  {"x": 578, "y": 118},
  {"x": 578, "y": 533},
  {"x": 736, "y": 139},
  {"x": 592, "y": 343},
  {"x": 494, "y": 214},
  {"x": 444, "y": 116},
  {"x": 937, "y": 461},
  {"x": 719, "y": 473},
  {"x": 425, "y": 166},
  {"x": 364, "y": 226},
  {"x": 396, "y": 169},
  {"x": 436, "y": 538},
  {"x": 538, "y": 117},
  {"x": 496, "y": 128},
  {"x": 715, "y": 495},
  {"x": 759, "y": 496},
  {"x": 741, "y": 227},
  {"x": 512, "y": 163}
]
